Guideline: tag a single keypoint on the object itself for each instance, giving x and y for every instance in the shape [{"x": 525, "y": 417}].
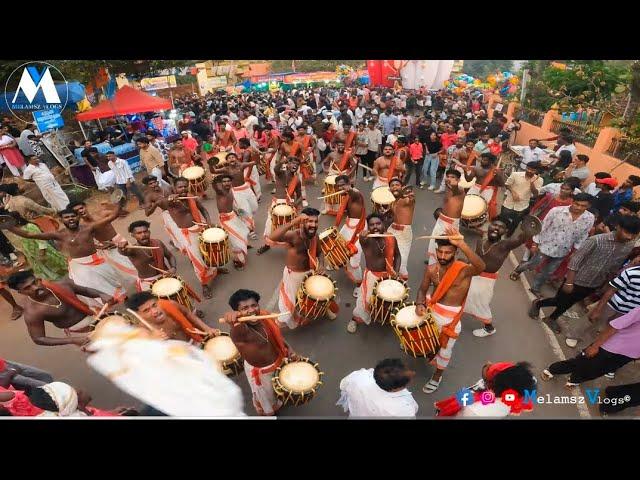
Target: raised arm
[
  {"x": 278, "y": 235},
  {"x": 477, "y": 264},
  {"x": 111, "y": 216},
  {"x": 36, "y": 236}
]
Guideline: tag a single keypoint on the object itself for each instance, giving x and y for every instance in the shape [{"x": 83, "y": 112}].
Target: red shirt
[
  {"x": 416, "y": 150},
  {"x": 20, "y": 405},
  {"x": 448, "y": 139}
]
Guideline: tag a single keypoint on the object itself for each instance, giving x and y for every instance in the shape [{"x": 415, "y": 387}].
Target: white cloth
[
  {"x": 443, "y": 315},
  {"x": 94, "y": 272},
  {"x": 172, "y": 376},
  {"x": 477, "y": 409},
  {"x": 487, "y": 193},
  {"x": 104, "y": 180},
  {"x": 287, "y": 291},
  {"x": 48, "y": 185},
  {"x": 439, "y": 229},
  {"x": 362, "y": 397},
  {"x": 238, "y": 235},
  {"x": 65, "y": 398},
  {"x": 122, "y": 171},
  {"x": 354, "y": 271},
  {"x": 246, "y": 200},
  {"x": 255, "y": 178},
  {"x": 361, "y": 312},
  {"x": 189, "y": 239},
  {"x": 23, "y": 142},
  {"x": 380, "y": 182},
  {"x": 125, "y": 270},
  {"x": 264, "y": 397},
  {"x": 479, "y": 297},
  {"x": 529, "y": 155},
  {"x": 404, "y": 238}
]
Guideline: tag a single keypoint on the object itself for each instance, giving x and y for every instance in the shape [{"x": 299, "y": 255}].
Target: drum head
[
  {"x": 108, "y": 322},
  {"x": 531, "y": 225},
  {"x": 299, "y": 376},
  {"x": 391, "y": 290},
  {"x": 165, "y": 287},
  {"x": 330, "y": 179},
  {"x": 214, "y": 235},
  {"x": 193, "y": 173},
  {"x": 327, "y": 232},
  {"x": 221, "y": 348},
  {"x": 474, "y": 206},
  {"x": 382, "y": 196},
  {"x": 319, "y": 287},
  {"x": 406, "y": 317},
  {"x": 282, "y": 210}
]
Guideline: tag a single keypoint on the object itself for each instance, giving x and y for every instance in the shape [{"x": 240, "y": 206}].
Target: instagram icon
[{"x": 487, "y": 397}]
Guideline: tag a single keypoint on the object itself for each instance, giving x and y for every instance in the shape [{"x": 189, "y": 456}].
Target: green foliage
[
  {"x": 482, "y": 68},
  {"x": 305, "y": 66}
]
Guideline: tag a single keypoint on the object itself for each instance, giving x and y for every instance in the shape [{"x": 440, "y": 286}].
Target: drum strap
[
  {"x": 68, "y": 296},
  {"x": 247, "y": 176},
  {"x": 291, "y": 188},
  {"x": 493, "y": 203},
  {"x": 294, "y": 149},
  {"x": 448, "y": 331},
  {"x": 158, "y": 254},
  {"x": 275, "y": 336},
  {"x": 195, "y": 212},
  {"x": 225, "y": 138},
  {"x": 392, "y": 168},
  {"x": 348, "y": 141},
  {"x": 389, "y": 252},
  {"x": 313, "y": 253},
  {"x": 344, "y": 161},
  {"x": 171, "y": 309}
]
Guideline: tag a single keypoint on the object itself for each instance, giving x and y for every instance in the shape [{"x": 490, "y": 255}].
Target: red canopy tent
[{"x": 126, "y": 101}]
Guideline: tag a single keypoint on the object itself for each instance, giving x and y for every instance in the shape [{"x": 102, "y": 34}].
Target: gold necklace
[{"x": 47, "y": 304}]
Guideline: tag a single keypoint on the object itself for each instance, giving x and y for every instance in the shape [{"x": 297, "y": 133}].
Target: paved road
[{"x": 327, "y": 342}]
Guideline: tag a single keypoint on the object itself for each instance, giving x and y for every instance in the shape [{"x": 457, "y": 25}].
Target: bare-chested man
[
  {"x": 86, "y": 267},
  {"x": 382, "y": 258},
  {"x": 493, "y": 251},
  {"x": 236, "y": 229},
  {"x": 451, "y": 279},
  {"x": 225, "y": 138},
  {"x": 387, "y": 166},
  {"x": 402, "y": 209},
  {"x": 303, "y": 252},
  {"x": 250, "y": 154},
  {"x": 340, "y": 162},
  {"x": 273, "y": 147},
  {"x": 351, "y": 204},
  {"x": 145, "y": 260},
  {"x": 489, "y": 179},
  {"x": 290, "y": 148},
  {"x": 172, "y": 320},
  {"x": 347, "y": 136},
  {"x": 262, "y": 347},
  {"x": 288, "y": 191},
  {"x": 451, "y": 210},
  {"x": 107, "y": 239},
  {"x": 308, "y": 143},
  {"x": 180, "y": 157},
  {"x": 245, "y": 200},
  {"x": 190, "y": 217},
  {"x": 58, "y": 303}
]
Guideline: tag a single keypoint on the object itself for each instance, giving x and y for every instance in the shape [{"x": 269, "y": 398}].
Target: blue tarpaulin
[{"x": 76, "y": 93}]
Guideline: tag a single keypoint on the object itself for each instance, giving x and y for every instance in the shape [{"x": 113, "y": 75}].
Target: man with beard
[
  {"x": 494, "y": 251},
  {"x": 387, "y": 167},
  {"x": 290, "y": 148},
  {"x": 287, "y": 191},
  {"x": 225, "y": 139},
  {"x": 232, "y": 224},
  {"x": 250, "y": 154},
  {"x": 107, "y": 239},
  {"x": 451, "y": 279},
  {"x": 261, "y": 346},
  {"x": 489, "y": 179},
  {"x": 340, "y": 162},
  {"x": 402, "y": 210},
  {"x": 180, "y": 157},
  {"x": 172, "y": 320},
  {"x": 245, "y": 199},
  {"x": 308, "y": 145},
  {"x": 302, "y": 257},
  {"x": 451, "y": 211},
  {"x": 145, "y": 260},
  {"x": 58, "y": 303},
  {"x": 382, "y": 258},
  {"x": 86, "y": 267}
]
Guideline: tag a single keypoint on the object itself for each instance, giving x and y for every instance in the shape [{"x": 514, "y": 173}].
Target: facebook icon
[{"x": 464, "y": 397}]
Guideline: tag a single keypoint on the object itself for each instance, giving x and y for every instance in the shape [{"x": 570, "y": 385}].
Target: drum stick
[
  {"x": 140, "y": 247},
  {"x": 187, "y": 198},
  {"x": 256, "y": 317},
  {"x": 141, "y": 320},
  {"x": 199, "y": 223},
  {"x": 441, "y": 237},
  {"x": 331, "y": 195},
  {"x": 198, "y": 332},
  {"x": 102, "y": 310},
  {"x": 366, "y": 168},
  {"x": 380, "y": 235},
  {"x": 160, "y": 270}
]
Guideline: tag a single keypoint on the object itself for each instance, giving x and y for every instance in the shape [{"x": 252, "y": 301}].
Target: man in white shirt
[
  {"x": 23, "y": 141},
  {"x": 520, "y": 187},
  {"x": 46, "y": 182},
  {"x": 124, "y": 178},
  {"x": 565, "y": 142},
  {"x": 359, "y": 114},
  {"x": 532, "y": 153},
  {"x": 379, "y": 392}
]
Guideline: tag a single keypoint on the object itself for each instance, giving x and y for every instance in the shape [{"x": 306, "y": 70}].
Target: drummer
[
  {"x": 451, "y": 279},
  {"x": 290, "y": 148},
  {"x": 244, "y": 197},
  {"x": 148, "y": 263},
  {"x": 308, "y": 144},
  {"x": 387, "y": 166},
  {"x": 247, "y": 154},
  {"x": 351, "y": 203},
  {"x": 493, "y": 252},
  {"x": 451, "y": 211},
  {"x": 489, "y": 179},
  {"x": 172, "y": 320},
  {"x": 236, "y": 229},
  {"x": 341, "y": 161},
  {"x": 225, "y": 138},
  {"x": 180, "y": 157},
  {"x": 262, "y": 347},
  {"x": 382, "y": 257},
  {"x": 58, "y": 303},
  {"x": 301, "y": 236},
  {"x": 402, "y": 209},
  {"x": 288, "y": 191}
]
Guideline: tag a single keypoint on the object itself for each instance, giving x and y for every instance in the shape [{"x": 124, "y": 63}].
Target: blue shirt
[
  {"x": 620, "y": 197},
  {"x": 389, "y": 123}
]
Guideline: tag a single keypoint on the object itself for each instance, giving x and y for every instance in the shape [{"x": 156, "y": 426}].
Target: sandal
[
  {"x": 546, "y": 375},
  {"x": 431, "y": 386},
  {"x": 263, "y": 249},
  {"x": 514, "y": 276}
]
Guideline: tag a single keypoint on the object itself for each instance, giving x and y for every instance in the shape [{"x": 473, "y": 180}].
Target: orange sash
[
  {"x": 313, "y": 253},
  {"x": 349, "y": 140},
  {"x": 493, "y": 203},
  {"x": 225, "y": 138},
  {"x": 158, "y": 254},
  {"x": 392, "y": 168},
  {"x": 68, "y": 296},
  {"x": 472, "y": 156},
  {"x": 291, "y": 188},
  {"x": 274, "y": 336},
  {"x": 195, "y": 212},
  {"x": 390, "y": 248},
  {"x": 247, "y": 176},
  {"x": 294, "y": 149},
  {"x": 176, "y": 315},
  {"x": 359, "y": 226},
  {"x": 448, "y": 331},
  {"x": 344, "y": 161}
]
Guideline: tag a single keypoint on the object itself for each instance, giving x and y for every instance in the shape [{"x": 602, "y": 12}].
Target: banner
[
  {"x": 158, "y": 83},
  {"x": 48, "y": 119},
  {"x": 211, "y": 83}
]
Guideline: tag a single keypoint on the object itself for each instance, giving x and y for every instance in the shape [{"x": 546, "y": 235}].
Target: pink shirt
[
  {"x": 416, "y": 151},
  {"x": 626, "y": 340},
  {"x": 448, "y": 139}
]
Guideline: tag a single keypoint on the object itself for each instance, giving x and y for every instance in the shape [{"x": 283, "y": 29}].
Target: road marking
[{"x": 583, "y": 411}]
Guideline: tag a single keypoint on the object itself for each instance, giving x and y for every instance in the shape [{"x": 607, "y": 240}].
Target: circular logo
[{"x": 35, "y": 86}]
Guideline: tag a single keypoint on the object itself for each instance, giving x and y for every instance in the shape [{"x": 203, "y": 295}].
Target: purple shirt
[{"x": 626, "y": 340}]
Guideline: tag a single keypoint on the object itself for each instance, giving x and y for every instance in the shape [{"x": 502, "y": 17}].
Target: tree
[
  {"x": 304, "y": 66},
  {"x": 483, "y": 68},
  {"x": 633, "y": 103}
]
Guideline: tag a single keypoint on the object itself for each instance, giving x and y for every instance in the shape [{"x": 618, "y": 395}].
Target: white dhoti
[
  {"x": 123, "y": 266},
  {"x": 487, "y": 193},
  {"x": 268, "y": 224},
  {"x": 480, "y": 295},
  {"x": 444, "y": 315},
  {"x": 157, "y": 172},
  {"x": 303, "y": 191},
  {"x": 238, "y": 235},
  {"x": 264, "y": 397},
  {"x": 439, "y": 228},
  {"x": 361, "y": 313},
  {"x": 173, "y": 231},
  {"x": 104, "y": 180},
  {"x": 246, "y": 200},
  {"x": 54, "y": 195},
  {"x": 272, "y": 165},
  {"x": 353, "y": 269},
  {"x": 255, "y": 182},
  {"x": 144, "y": 284},
  {"x": 380, "y": 182},
  {"x": 191, "y": 241},
  {"x": 94, "y": 272},
  {"x": 404, "y": 237},
  {"x": 287, "y": 292}
]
